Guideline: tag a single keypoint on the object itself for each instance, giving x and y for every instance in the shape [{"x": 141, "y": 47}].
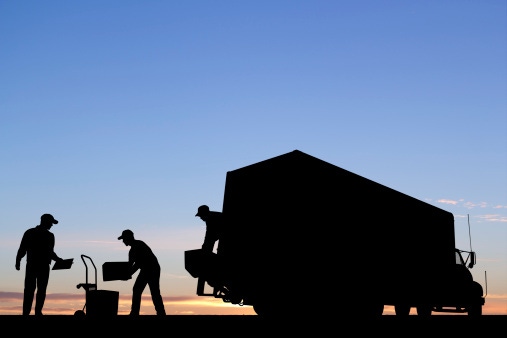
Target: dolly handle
[{"x": 86, "y": 266}]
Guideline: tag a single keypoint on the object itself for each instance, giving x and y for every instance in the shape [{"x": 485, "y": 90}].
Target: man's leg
[
  {"x": 137, "y": 292},
  {"x": 29, "y": 291},
  {"x": 42, "y": 285},
  {"x": 156, "y": 297}
]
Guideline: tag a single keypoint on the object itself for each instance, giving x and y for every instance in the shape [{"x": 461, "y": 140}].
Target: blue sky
[{"x": 128, "y": 114}]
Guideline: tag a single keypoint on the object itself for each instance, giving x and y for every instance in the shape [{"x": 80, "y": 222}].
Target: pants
[
  {"x": 36, "y": 277},
  {"x": 151, "y": 278}
]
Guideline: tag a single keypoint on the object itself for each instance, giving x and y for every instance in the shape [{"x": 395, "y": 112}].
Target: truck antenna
[
  {"x": 472, "y": 254},
  {"x": 469, "y": 236}
]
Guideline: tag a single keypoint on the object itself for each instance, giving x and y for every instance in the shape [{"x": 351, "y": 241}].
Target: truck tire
[
  {"x": 402, "y": 310},
  {"x": 265, "y": 310},
  {"x": 373, "y": 310},
  {"x": 424, "y": 311},
  {"x": 475, "y": 310},
  {"x": 79, "y": 313}
]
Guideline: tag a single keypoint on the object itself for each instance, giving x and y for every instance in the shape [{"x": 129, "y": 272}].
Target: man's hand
[{"x": 17, "y": 266}]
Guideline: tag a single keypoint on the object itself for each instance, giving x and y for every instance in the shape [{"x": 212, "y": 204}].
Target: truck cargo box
[{"x": 293, "y": 222}]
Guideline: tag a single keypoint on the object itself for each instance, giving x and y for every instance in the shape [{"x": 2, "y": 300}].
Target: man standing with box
[{"x": 142, "y": 258}]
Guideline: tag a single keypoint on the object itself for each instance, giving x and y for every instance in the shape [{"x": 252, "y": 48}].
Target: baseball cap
[
  {"x": 126, "y": 234},
  {"x": 203, "y": 209},
  {"x": 48, "y": 218}
]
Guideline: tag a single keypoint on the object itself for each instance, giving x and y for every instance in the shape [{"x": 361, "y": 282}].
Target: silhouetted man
[
  {"x": 214, "y": 228},
  {"x": 141, "y": 258},
  {"x": 214, "y": 225},
  {"x": 37, "y": 244}
]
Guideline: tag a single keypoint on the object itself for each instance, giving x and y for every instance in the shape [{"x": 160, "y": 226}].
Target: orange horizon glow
[{"x": 67, "y": 304}]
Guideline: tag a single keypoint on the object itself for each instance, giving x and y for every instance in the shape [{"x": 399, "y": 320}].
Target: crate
[{"x": 102, "y": 303}]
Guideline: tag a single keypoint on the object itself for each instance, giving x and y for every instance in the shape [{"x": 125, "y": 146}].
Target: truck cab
[{"x": 457, "y": 292}]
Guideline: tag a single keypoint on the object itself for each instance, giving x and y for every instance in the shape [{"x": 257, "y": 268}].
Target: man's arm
[
  {"x": 55, "y": 257},
  {"x": 210, "y": 237},
  {"x": 133, "y": 267},
  {"x": 208, "y": 244},
  {"x": 21, "y": 251}
]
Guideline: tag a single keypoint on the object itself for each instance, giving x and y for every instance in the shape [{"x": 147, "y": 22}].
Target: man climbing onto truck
[
  {"x": 214, "y": 228},
  {"x": 214, "y": 225}
]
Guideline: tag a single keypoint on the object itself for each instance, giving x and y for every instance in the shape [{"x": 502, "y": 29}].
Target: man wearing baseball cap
[
  {"x": 214, "y": 225},
  {"x": 142, "y": 258},
  {"x": 38, "y": 245},
  {"x": 214, "y": 228}
]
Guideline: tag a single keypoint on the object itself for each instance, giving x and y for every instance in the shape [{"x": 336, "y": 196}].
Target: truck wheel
[
  {"x": 475, "y": 311},
  {"x": 402, "y": 310},
  {"x": 373, "y": 310},
  {"x": 79, "y": 313},
  {"x": 262, "y": 310},
  {"x": 424, "y": 311}
]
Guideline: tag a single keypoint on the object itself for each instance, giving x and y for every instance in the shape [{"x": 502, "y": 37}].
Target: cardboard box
[
  {"x": 115, "y": 271},
  {"x": 200, "y": 263}
]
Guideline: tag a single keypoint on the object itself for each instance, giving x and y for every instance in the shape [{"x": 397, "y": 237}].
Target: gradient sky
[{"x": 128, "y": 114}]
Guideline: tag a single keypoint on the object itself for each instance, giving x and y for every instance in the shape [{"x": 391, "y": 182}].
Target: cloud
[
  {"x": 471, "y": 205},
  {"x": 65, "y": 297},
  {"x": 494, "y": 218},
  {"x": 468, "y": 204},
  {"x": 10, "y": 296},
  {"x": 446, "y": 201}
]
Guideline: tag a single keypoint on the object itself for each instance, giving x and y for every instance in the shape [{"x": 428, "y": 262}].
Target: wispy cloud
[
  {"x": 494, "y": 218},
  {"x": 471, "y": 205},
  {"x": 462, "y": 203},
  {"x": 64, "y": 297},
  {"x": 10, "y": 296},
  {"x": 446, "y": 201}
]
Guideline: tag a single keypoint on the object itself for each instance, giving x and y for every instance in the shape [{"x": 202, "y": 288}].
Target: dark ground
[{"x": 238, "y": 325}]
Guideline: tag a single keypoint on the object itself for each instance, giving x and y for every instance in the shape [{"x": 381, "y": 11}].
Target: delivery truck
[{"x": 302, "y": 236}]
